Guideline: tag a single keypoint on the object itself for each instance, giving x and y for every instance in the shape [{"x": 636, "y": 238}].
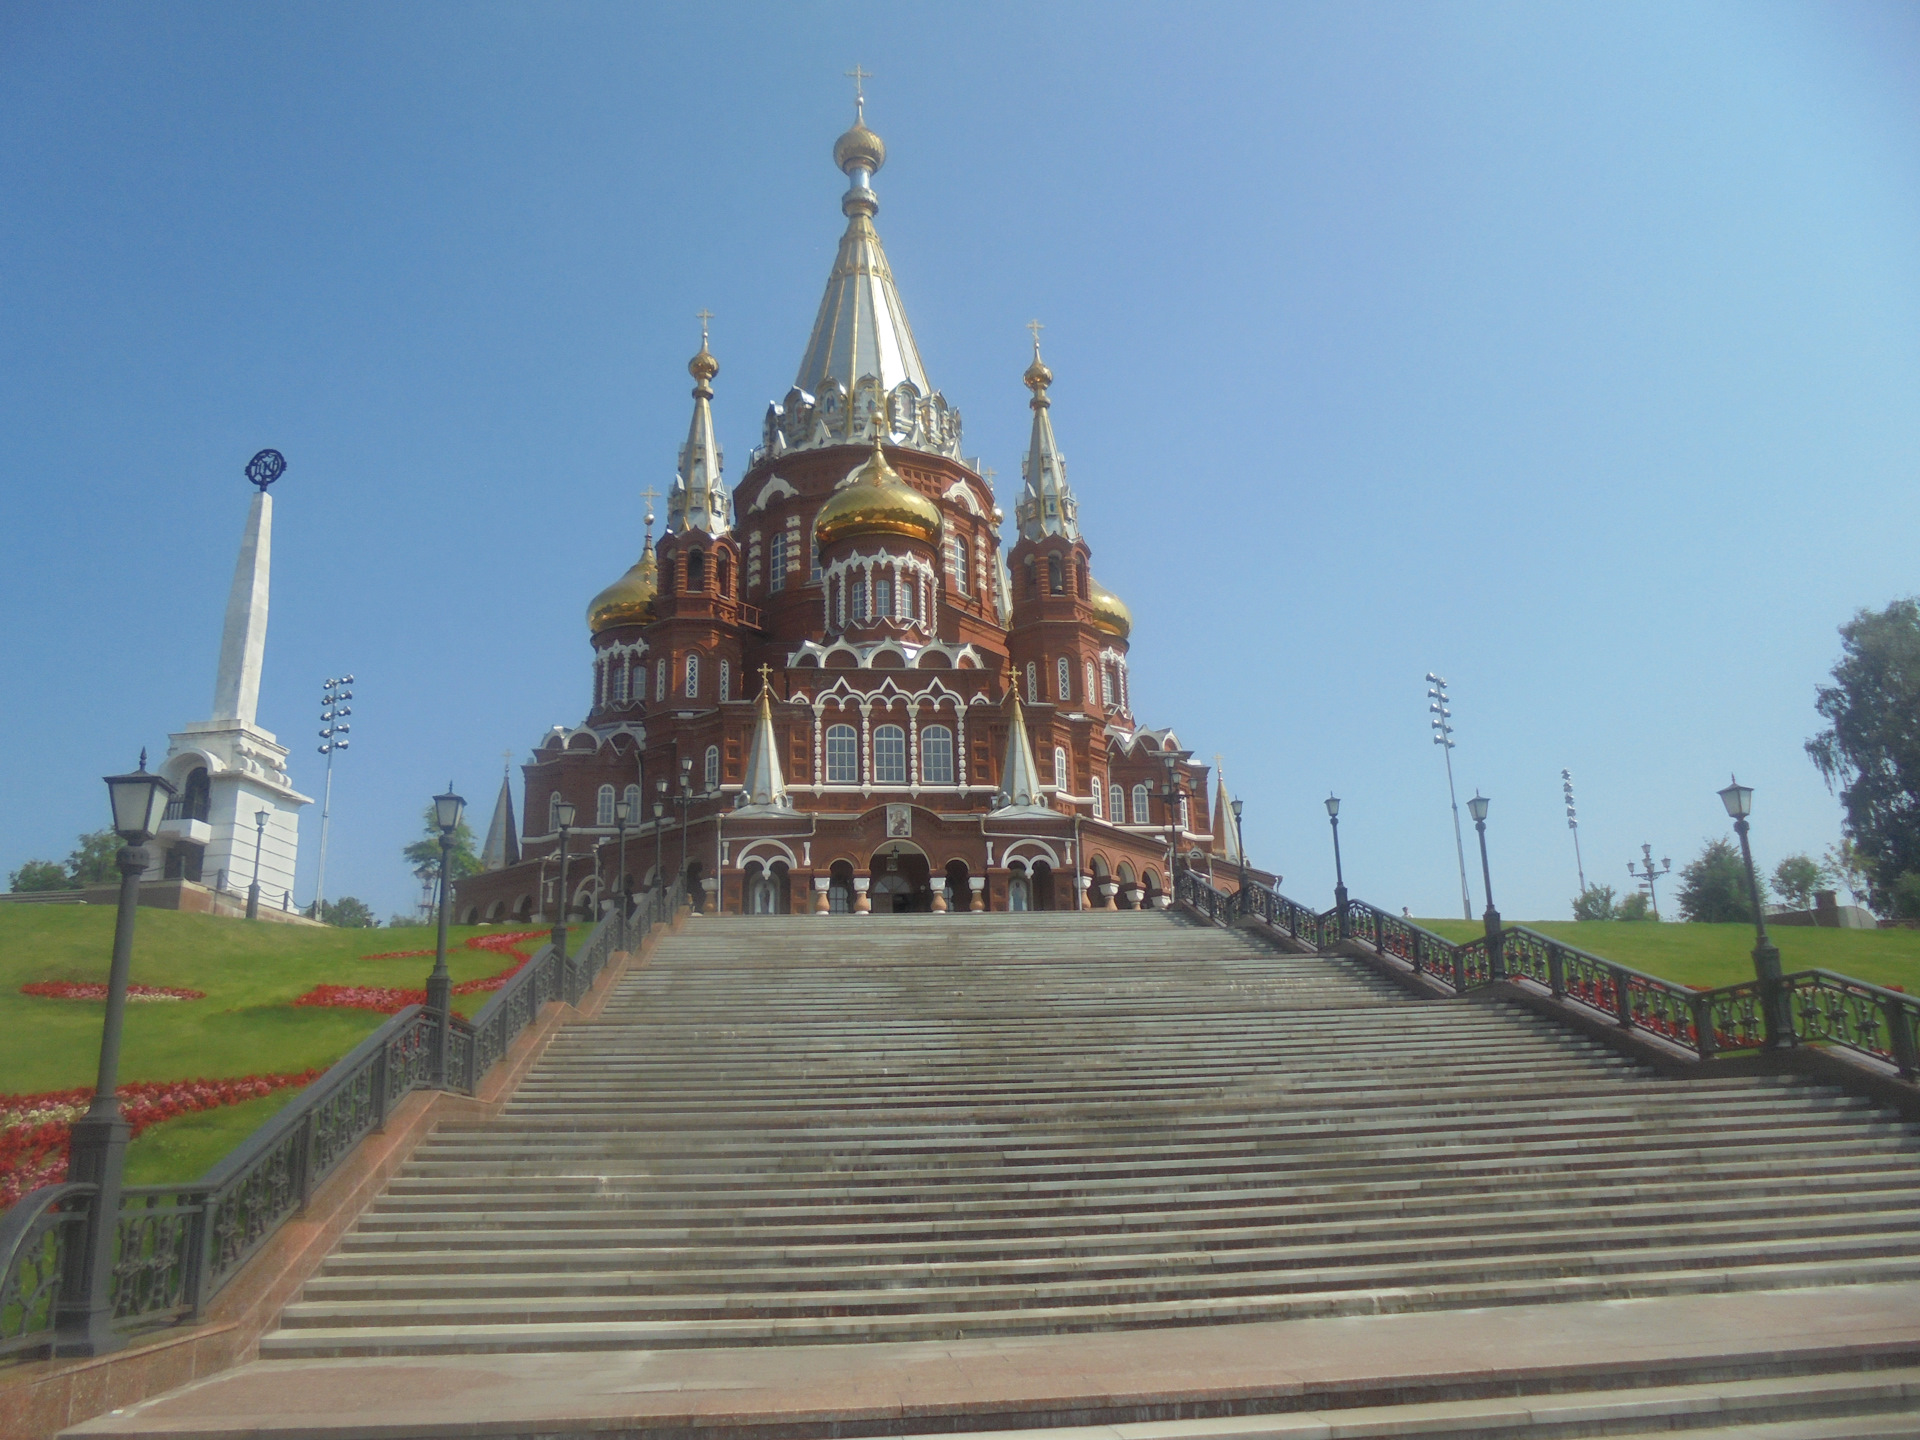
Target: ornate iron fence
[
  {"x": 1823, "y": 1008},
  {"x": 175, "y": 1246}
]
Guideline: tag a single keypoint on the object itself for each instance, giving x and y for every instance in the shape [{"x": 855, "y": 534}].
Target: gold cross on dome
[
  {"x": 859, "y": 77},
  {"x": 703, "y": 316},
  {"x": 506, "y": 762},
  {"x": 765, "y": 671},
  {"x": 1036, "y": 327}
]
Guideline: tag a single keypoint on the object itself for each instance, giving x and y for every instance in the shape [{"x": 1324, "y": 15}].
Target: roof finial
[
  {"x": 703, "y": 367},
  {"x": 766, "y": 684},
  {"x": 859, "y": 77},
  {"x": 1037, "y": 377}
]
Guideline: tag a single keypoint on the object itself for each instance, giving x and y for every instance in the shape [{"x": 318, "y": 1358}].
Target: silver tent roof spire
[
  {"x": 1019, "y": 777},
  {"x": 698, "y": 499},
  {"x": 765, "y": 787},
  {"x": 503, "y": 836},
  {"x": 861, "y": 371},
  {"x": 1046, "y": 506}
]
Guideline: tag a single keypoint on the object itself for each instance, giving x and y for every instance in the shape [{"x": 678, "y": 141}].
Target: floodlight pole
[{"x": 1442, "y": 721}]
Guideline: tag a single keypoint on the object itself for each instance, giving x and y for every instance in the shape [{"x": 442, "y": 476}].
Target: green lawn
[
  {"x": 245, "y": 1025},
  {"x": 1723, "y": 954}
]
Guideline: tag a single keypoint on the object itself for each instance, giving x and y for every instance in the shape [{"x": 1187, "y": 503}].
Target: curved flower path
[{"x": 388, "y": 999}]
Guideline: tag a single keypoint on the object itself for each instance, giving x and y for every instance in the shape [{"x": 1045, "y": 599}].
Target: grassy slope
[
  {"x": 1722, "y": 954},
  {"x": 244, "y": 1026}
]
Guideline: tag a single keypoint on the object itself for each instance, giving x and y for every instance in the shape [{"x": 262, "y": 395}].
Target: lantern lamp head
[
  {"x": 1477, "y": 807},
  {"x": 1738, "y": 799},
  {"x": 447, "y": 810},
  {"x": 565, "y": 812},
  {"x": 139, "y": 803},
  {"x": 1333, "y": 806}
]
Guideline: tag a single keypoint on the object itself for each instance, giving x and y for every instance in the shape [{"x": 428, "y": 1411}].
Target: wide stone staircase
[{"x": 885, "y": 1128}]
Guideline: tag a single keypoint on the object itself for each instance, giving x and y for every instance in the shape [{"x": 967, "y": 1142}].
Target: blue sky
[{"x": 1569, "y": 350}]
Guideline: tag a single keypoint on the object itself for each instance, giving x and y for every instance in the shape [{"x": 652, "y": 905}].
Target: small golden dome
[
  {"x": 1037, "y": 377},
  {"x": 1110, "y": 612},
  {"x": 629, "y": 600},
  {"x": 859, "y": 149},
  {"x": 703, "y": 367},
  {"x": 877, "y": 502}
]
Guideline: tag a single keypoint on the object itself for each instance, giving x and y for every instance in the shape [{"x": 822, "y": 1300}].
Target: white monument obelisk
[{"x": 227, "y": 772}]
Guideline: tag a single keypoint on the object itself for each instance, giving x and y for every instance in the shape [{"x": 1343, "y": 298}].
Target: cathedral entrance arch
[
  {"x": 767, "y": 891},
  {"x": 840, "y": 888},
  {"x": 901, "y": 882},
  {"x": 959, "y": 892}
]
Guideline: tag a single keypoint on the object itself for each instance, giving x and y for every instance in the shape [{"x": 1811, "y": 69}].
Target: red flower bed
[
  {"x": 83, "y": 990},
  {"x": 34, "y": 1128},
  {"x": 389, "y": 999}
]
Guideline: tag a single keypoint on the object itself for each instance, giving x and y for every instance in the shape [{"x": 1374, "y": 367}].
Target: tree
[
  {"x": 39, "y": 875},
  {"x": 1796, "y": 878},
  {"x": 348, "y": 913},
  {"x": 1713, "y": 887},
  {"x": 1870, "y": 749},
  {"x": 1906, "y": 896},
  {"x": 1634, "y": 907},
  {"x": 423, "y": 856},
  {"x": 1844, "y": 864},
  {"x": 94, "y": 862},
  {"x": 1595, "y": 903}
]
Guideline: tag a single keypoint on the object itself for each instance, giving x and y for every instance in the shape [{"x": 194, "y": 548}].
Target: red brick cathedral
[{"x": 829, "y": 690}]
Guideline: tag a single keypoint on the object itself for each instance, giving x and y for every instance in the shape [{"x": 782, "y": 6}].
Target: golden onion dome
[
  {"x": 1037, "y": 377},
  {"x": 876, "y": 501},
  {"x": 859, "y": 149},
  {"x": 1110, "y": 612},
  {"x": 703, "y": 367},
  {"x": 629, "y": 600}
]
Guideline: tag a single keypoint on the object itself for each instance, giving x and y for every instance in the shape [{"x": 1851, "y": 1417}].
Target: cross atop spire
[
  {"x": 765, "y": 671},
  {"x": 1036, "y": 327},
  {"x": 649, "y": 495},
  {"x": 703, "y": 316},
  {"x": 859, "y": 78}
]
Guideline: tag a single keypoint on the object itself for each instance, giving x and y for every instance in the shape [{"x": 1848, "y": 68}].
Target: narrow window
[
  {"x": 1140, "y": 805},
  {"x": 696, "y": 571},
  {"x": 1093, "y": 687},
  {"x": 813, "y": 556},
  {"x": 632, "y": 797},
  {"x": 843, "y": 757},
  {"x": 777, "y": 561},
  {"x": 882, "y": 598},
  {"x": 1080, "y": 578},
  {"x": 553, "y": 812},
  {"x": 603, "y": 806},
  {"x": 660, "y": 679},
  {"x": 1099, "y": 812},
  {"x": 1106, "y": 686},
  {"x": 889, "y": 755},
  {"x": 1062, "y": 776},
  {"x": 1063, "y": 677},
  {"x": 726, "y": 680},
  {"x": 936, "y": 755},
  {"x": 1033, "y": 683},
  {"x": 857, "y": 600},
  {"x": 620, "y": 682},
  {"x": 713, "y": 767},
  {"x": 692, "y": 687},
  {"x": 1056, "y": 581},
  {"x": 722, "y": 572},
  {"x": 957, "y": 564}
]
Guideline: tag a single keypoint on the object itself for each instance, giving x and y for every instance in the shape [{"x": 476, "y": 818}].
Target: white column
[{"x": 243, "y": 640}]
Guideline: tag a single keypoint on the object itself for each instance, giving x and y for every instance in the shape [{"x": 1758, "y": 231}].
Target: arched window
[
  {"x": 726, "y": 680},
  {"x": 889, "y": 755},
  {"x": 553, "y": 812},
  {"x": 696, "y": 571},
  {"x": 632, "y": 797},
  {"x": 1062, "y": 775},
  {"x": 603, "y": 806},
  {"x": 1106, "y": 686},
  {"x": 722, "y": 572},
  {"x": 857, "y": 600},
  {"x": 660, "y": 679},
  {"x": 1093, "y": 685},
  {"x": 692, "y": 687},
  {"x": 1140, "y": 805},
  {"x": 1063, "y": 677},
  {"x": 1056, "y": 580},
  {"x": 843, "y": 756},
  {"x": 813, "y": 556},
  {"x": 620, "y": 682},
  {"x": 936, "y": 755},
  {"x": 956, "y": 551},
  {"x": 1186, "y": 814},
  {"x": 713, "y": 767},
  {"x": 882, "y": 597},
  {"x": 1080, "y": 578},
  {"x": 1033, "y": 577},
  {"x": 1099, "y": 811},
  {"x": 777, "y": 561},
  {"x": 1033, "y": 683}
]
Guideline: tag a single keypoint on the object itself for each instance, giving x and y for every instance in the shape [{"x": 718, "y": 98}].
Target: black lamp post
[
  {"x": 1339, "y": 879},
  {"x": 97, "y": 1147},
  {"x": 1240, "y": 844},
  {"x": 564, "y": 813},
  {"x": 683, "y": 802},
  {"x": 659, "y": 822},
  {"x": 620, "y": 813},
  {"x": 1496, "y": 966},
  {"x": 447, "y": 810},
  {"x": 260, "y": 818},
  {"x": 1170, "y": 797},
  {"x": 1738, "y": 799}
]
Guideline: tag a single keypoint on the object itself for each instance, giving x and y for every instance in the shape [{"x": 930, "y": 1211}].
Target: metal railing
[
  {"x": 1821, "y": 1008},
  {"x": 175, "y": 1246}
]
